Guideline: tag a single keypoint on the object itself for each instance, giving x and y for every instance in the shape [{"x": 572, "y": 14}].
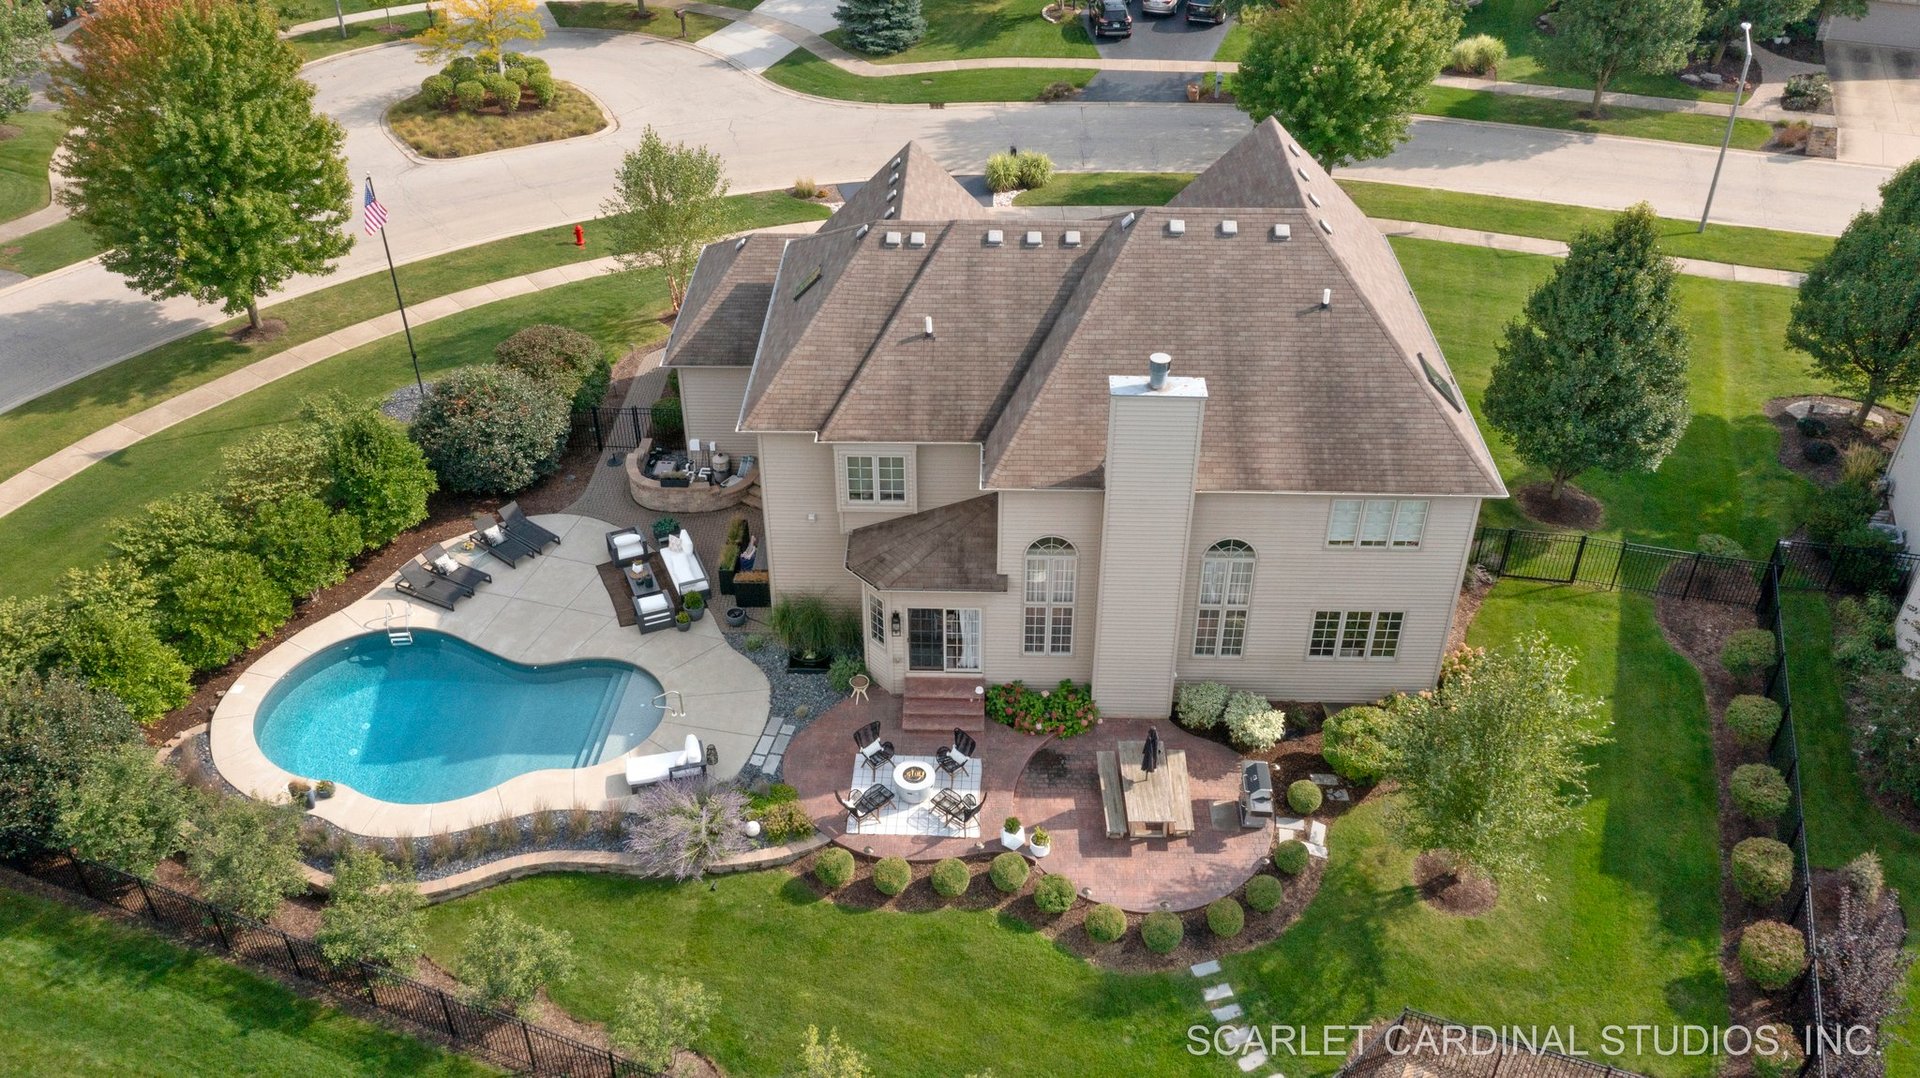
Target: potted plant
[
  {"x": 808, "y": 628},
  {"x": 753, "y": 587},
  {"x": 665, "y": 526},
  {"x": 682, "y": 622},
  {"x": 300, "y": 791},
  {"x": 696, "y": 605},
  {"x": 736, "y": 616},
  {"x": 323, "y": 789},
  {"x": 1041, "y": 844},
  {"x": 729, "y": 561},
  {"x": 1012, "y": 834}
]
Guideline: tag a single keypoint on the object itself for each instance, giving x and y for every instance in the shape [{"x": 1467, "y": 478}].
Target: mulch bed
[
  {"x": 1472, "y": 595},
  {"x": 1442, "y": 889},
  {"x": 1574, "y": 509},
  {"x": 1729, "y": 71},
  {"x": 1840, "y": 431},
  {"x": 271, "y": 329},
  {"x": 1067, "y": 930}
]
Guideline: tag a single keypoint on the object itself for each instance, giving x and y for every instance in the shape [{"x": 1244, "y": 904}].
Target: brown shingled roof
[
  {"x": 951, "y": 548},
  {"x": 912, "y": 184},
  {"x": 726, "y": 303}
]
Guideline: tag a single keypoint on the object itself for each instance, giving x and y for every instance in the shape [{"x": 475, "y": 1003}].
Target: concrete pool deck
[{"x": 549, "y": 609}]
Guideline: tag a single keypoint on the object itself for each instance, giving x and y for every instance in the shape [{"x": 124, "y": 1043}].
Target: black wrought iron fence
[
  {"x": 496, "y": 1036},
  {"x": 612, "y": 428}
]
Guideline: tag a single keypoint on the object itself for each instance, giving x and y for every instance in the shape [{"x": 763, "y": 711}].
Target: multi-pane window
[
  {"x": 893, "y": 478},
  {"x": 1377, "y": 523},
  {"x": 876, "y": 480},
  {"x": 1051, "y": 564},
  {"x": 876, "y": 619},
  {"x": 1226, "y": 586},
  {"x": 1355, "y": 634}
]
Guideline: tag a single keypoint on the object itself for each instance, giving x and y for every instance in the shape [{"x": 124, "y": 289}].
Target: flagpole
[{"x": 395, "y": 278}]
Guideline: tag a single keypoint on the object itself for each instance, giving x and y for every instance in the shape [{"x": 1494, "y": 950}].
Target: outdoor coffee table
[{"x": 914, "y": 780}]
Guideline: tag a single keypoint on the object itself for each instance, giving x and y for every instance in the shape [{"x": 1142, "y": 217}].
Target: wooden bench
[{"x": 1112, "y": 794}]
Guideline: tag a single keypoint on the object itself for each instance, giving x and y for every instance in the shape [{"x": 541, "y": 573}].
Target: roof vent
[
  {"x": 742, "y": 245},
  {"x": 896, "y": 161},
  {"x": 1313, "y": 198},
  {"x": 895, "y": 178},
  {"x": 1326, "y": 298},
  {"x": 1070, "y": 238},
  {"x": 1157, "y": 366},
  {"x": 1283, "y": 232},
  {"x": 1294, "y": 146},
  {"x": 891, "y": 239},
  {"x": 1127, "y": 221},
  {"x": 1032, "y": 239},
  {"x": 861, "y": 232},
  {"x": 929, "y": 327},
  {"x": 916, "y": 239},
  {"x": 1229, "y": 227},
  {"x": 1325, "y": 227},
  {"x": 1302, "y": 170},
  {"x": 887, "y": 215},
  {"x": 1177, "y": 227},
  {"x": 892, "y": 193},
  {"x": 995, "y": 237}
]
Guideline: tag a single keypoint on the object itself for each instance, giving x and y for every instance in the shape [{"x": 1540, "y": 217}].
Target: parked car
[
  {"x": 1159, "y": 7},
  {"x": 1113, "y": 19},
  {"x": 1213, "y": 12}
]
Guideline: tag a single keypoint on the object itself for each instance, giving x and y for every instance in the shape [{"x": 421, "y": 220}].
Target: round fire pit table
[{"x": 913, "y": 780}]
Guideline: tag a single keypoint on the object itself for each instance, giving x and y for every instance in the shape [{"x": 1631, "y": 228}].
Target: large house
[
  {"x": 1215, "y": 440},
  {"x": 1903, "y": 499}
]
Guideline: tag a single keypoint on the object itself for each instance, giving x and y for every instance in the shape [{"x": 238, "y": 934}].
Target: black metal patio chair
[{"x": 958, "y": 757}]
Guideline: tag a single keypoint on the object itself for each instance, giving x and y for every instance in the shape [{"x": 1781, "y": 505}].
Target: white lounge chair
[{"x": 660, "y": 766}]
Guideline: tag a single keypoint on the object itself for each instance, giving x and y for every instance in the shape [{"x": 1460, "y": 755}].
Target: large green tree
[
  {"x": 1491, "y": 763},
  {"x": 1343, "y": 76},
  {"x": 1593, "y": 374},
  {"x": 1858, "y": 311},
  {"x": 99, "y": 627},
  {"x": 199, "y": 162},
  {"x": 1602, "y": 39},
  {"x": 1722, "y": 18},
  {"x": 669, "y": 202},
  {"x": 52, "y": 729},
  {"x": 246, "y": 855},
  {"x": 24, "y": 42},
  {"x": 126, "y": 810}
]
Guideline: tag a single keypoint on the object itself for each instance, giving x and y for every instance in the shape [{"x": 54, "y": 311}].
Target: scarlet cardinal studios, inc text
[{"x": 1439, "y": 1040}]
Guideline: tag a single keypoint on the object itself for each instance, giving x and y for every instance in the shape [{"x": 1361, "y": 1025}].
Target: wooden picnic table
[{"x": 1142, "y": 804}]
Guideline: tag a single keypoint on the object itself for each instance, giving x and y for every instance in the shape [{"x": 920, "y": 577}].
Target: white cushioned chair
[{"x": 657, "y": 767}]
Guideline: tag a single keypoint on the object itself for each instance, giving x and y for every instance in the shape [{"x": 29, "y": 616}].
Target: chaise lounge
[
  {"x": 419, "y": 582},
  {"x": 490, "y": 533},
  {"x": 519, "y": 526},
  {"x": 688, "y": 762},
  {"x": 447, "y": 566}
]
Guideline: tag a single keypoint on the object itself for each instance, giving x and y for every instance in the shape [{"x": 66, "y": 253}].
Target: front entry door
[{"x": 941, "y": 639}]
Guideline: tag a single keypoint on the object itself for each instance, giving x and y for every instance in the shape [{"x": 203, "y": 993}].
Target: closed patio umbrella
[{"x": 1150, "y": 756}]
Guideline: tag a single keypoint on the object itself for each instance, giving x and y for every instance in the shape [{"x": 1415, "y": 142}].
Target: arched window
[
  {"x": 1226, "y": 586},
  {"x": 1051, "y": 564}
]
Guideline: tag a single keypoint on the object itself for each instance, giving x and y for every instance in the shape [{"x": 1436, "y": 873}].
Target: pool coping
[{"x": 550, "y": 609}]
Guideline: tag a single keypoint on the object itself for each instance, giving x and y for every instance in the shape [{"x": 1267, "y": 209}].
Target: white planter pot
[
  {"x": 1037, "y": 852},
  {"x": 1013, "y": 840}
]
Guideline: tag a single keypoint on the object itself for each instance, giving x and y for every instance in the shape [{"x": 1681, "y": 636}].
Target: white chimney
[{"x": 1157, "y": 366}]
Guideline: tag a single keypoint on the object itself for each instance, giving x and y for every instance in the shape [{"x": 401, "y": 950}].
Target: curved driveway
[{"x": 67, "y": 324}]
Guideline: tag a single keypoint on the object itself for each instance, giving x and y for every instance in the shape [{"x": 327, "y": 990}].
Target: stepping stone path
[
  {"x": 1236, "y": 1036},
  {"x": 772, "y": 746}
]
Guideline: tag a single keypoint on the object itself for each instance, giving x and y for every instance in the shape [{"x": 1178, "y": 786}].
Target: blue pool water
[{"x": 443, "y": 719}]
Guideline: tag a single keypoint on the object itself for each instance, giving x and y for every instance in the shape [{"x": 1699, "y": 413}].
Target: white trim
[{"x": 844, "y": 452}]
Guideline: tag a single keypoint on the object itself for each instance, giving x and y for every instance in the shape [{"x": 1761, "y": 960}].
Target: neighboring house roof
[
  {"x": 951, "y": 548},
  {"x": 914, "y": 186},
  {"x": 726, "y": 303},
  {"x": 1353, "y": 397}
]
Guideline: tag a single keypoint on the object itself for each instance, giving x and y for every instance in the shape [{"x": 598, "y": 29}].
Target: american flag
[{"x": 376, "y": 214}]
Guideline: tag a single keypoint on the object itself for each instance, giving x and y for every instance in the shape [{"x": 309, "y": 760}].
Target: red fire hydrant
[{"x": 579, "y": 236}]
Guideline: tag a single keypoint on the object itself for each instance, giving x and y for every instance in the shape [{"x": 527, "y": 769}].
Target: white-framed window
[
  {"x": 1355, "y": 634},
  {"x": 876, "y": 619},
  {"x": 1226, "y": 589},
  {"x": 876, "y": 479},
  {"x": 1052, "y": 565},
  {"x": 1377, "y": 523}
]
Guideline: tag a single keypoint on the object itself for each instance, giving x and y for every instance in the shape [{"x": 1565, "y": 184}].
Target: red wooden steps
[{"x": 943, "y": 704}]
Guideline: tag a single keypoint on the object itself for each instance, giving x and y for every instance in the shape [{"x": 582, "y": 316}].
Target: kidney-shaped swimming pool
[{"x": 441, "y": 718}]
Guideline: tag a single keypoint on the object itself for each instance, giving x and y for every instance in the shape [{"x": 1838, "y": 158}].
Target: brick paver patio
[{"x": 1050, "y": 783}]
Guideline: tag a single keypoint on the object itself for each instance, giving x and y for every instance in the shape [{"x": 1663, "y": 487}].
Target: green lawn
[
  {"x": 1841, "y": 820},
  {"x": 1512, "y": 22},
  {"x": 23, "y": 161},
  {"x": 312, "y": 46},
  {"x": 806, "y": 73},
  {"x": 83, "y": 996},
  {"x": 1233, "y": 47},
  {"x": 604, "y": 15},
  {"x": 295, "y": 12},
  {"x": 1566, "y": 116},
  {"x": 71, "y": 412},
  {"x": 972, "y": 29},
  {"x": 1106, "y": 189},
  {"x": 47, "y": 249}
]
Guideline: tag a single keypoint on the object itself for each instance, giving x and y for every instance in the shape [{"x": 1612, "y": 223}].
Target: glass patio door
[{"x": 942, "y": 639}]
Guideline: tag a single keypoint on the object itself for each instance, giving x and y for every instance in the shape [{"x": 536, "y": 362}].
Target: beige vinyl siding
[
  {"x": 710, "y": 406},
  {"x": 1153, "y": 446},
  {"x": 803, "y": 555},
  {"x": 1024, "y": 517},
  {"x": 1904, "y": 471},
  {"x": 948, "y": 474},
  {"x": 1296, "y": 574}
]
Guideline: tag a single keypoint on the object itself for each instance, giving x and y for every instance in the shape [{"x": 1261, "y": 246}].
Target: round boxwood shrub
[
  {"x": 1819, "y": 452},
  {"x": 437, "y": 90},
  {"x": 1753, "y": 719},
  {"x": 1772, "y": 954},
  {"x": 950, "y": 878},
  {"x": 1290, "y": 857},
  {"x": 1162, "y": 932},
  {"x": 1264, "y": 893},
  {"x": 1762, "y": 869},
  {"x": 1009, "y": 872},
  {"x": 1747, "y": 653},
  {"x": 1303, "y": 796},
  {"x": 1777, "y": 1052},
  {"x": 505, "y": 91},
  {"x": 490, "y": 429},
  {"x": 470, "y": 95},
  {"x": 543, "y": 89},
  {"x": 1811, "y": 426},
  {"x": 1354, "y": 742},
  {"x": 891, "y": 875},
  {"x": 1759, "y": 791},
  {"x": 1106, "y": 923},
  {"x": 833, "y": 868},
  {"x": 565, "y": 360},
  {"x": 1053, "y": 894},
  {"x": 1225, "y": 917}
]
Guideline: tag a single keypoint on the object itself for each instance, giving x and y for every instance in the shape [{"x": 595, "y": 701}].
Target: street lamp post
[{"x": 1746, "y": 32}]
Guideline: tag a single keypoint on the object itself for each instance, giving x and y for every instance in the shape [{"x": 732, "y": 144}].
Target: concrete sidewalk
[{"x": 375, "y": 15}]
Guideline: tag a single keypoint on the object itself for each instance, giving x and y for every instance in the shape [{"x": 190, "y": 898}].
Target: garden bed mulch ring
[
  {"x": 1067, "y": 930},
  {"x": 270, "y": 329},
  {"x": 1443, "y": 889},
  {"x": 1840, "y": 431},
  {"x": 1574, "y": 509}
]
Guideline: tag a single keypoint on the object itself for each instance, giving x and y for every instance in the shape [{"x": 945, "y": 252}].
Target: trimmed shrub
[
  {"x": 505, "y": 961},
  {"x": 1748, "y": 653},
  {"x": 1065, "y": 710},
  {"x": 1866, "y": 876},
  {"x": 1819, "y": 452},
  {"x": 1162, "y": 932},
  {"x": 844, "y": 669},
  {"x": 437, "y": 90},
  {"x": 1226, "y": 918},
  {"x": 1009, "y": 872},
  {"x": 1053, "y": 894},
  {"x": 1258, "y": 731},
  {"x": 559, "y": 358},
  {"x": 491, "y": 430},
  {"x": 1480, "y": 54},
  {"x": 1241, "y": 704},
  {"x": 833, "y": 868},
  {"x": 462, "y": 68},
  {"x": 891, "y": 875},
  {"x": 504, "y": 91},
  {"x": 376, "y": 473},
  {"x": 665, "y": 425},
  {"x": 1303, "y": 797},
  {"x": 1036, "y": 169},
  {"x": 1290, "y": 857},
  {"x": 1264, "y": 893},
  {"x": 1811, "y": 426},
  {"x": 1353, "y": 741},
  {"x": 1839, "y": 509},
  {"x": 1772, "y": 954},
  {"x": 1106, "y": 923},
  {"x": 1759, "y": 791},
  {"x": 1807, "y": 93},
  {"x": 951, "y": 877},
  {"x": 1753, "y": 720},
  {"x": 1777, "y": 1052},
  {"x": 544, "y": 91},
  {"x": 214, "y": 605},
  {"x": 784, "y": 821},
  {"x": 1200, "y": 704},
  {"x": 1762, "y": 869},
  {"x": 1719, "y": 546},
  {"x": 470, "y": 95},
  {"x": 1003, "y": 173}
]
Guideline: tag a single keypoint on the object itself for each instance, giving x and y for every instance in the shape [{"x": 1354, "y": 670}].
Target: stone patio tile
[
  {"x": 1206, "y": 969},
  {"x": 1252, "y": 1060},
  {"x": 1226, "y": 1013},
  {"x": 763, "y": 746},
  {"x": 1317, "y": 850},
  {"x": 1217, "y": 993},
  {"x": 1317, "y": 833},
  {"x": 1324, "y": 779}
]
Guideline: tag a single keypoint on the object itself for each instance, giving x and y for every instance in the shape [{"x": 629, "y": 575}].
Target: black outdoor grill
[{"x": 1256, "y": 793}]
